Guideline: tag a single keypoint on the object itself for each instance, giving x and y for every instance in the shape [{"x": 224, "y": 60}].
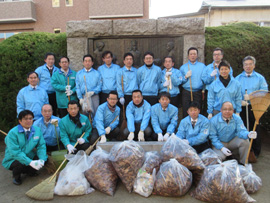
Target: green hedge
[{"x": 24, "y": 52}]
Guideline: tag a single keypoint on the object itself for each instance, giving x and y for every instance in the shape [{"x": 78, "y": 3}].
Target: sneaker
[{"x": 17, "y": 181}]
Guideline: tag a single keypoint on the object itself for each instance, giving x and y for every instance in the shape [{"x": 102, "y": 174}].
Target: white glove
[
  {"x": 122, "y": 101},
  {"x": 131, "y": 136},
  {"x": 166, "y": 136},
  {"x": 160, "y": 137},
  {"x": 244, "y": 103},
  {"x": 89, "y": 94},
  {"x": 188, "y": 74},
  {"x": 54, "y": 122},
  {"x": 168, "y": 74},
  {"x": 166, "y": 83},
  {"x": 71, "y": 149},
  {"x": 103, "y": 139},
  {"x": 214, "y": 73},
  {"x": 108, "y": 130},
  {"x": 36, "y": 164},
  {"x": 41, "y": 162},
  {"x": 141, "y": 136},
  {"x": 210, "y": 116},
  {"x": 246, "y": 97},
  {"x": 81, "y": 140},
  {"x": 237, "y": 114},
  {"x": 69, "y": 92},
  {"x": 186, "y": 141},
  {"x": 226, "y": 151},
  {"x": 81, "y": 102},
  {"x": 68, "y": 87},
  {"x": 252, "y": 134}
]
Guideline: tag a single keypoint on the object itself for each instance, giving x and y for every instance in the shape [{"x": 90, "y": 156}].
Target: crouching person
[
  {"x": 229, "y": 135},
  {"x": 25, "y": 148},
  {"x": 194, "y": 129},
  {"x": 138, "y": 116},
  {"x": 72, "y": 126}
]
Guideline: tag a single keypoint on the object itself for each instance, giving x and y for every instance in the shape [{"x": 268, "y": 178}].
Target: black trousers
[
  {"x": 62, "y": 112},
  {"x": 200, "y": 148},
  {"x": 147, "y": 132},
  {"x": 18, "y": 168},
  {"x": 114, "y": 135},
  {"x": 186, "y": 100},
  {"x": 204, "y": 104},
  {"x": 52, "y": 101},
  {"x": 152, "y": 100},
  {"x": 155, "y": 135},
  {"x": 55, "y": 148},
  {"x": 175, "y": 101}
]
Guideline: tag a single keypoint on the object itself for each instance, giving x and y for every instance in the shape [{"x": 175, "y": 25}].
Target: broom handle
[
  {"x": 214, "y": 69},
  {"x": 168, "y": 87},
  {"x": 190, "y": 84},
  {"x": 3, "y": 132},
  {"x": 63, "y": 162},
  {"x": 122, "y": 83},
  {"x": 68, "y": 84},
  {"x": 250, "y": 144},
  {"x": 247, "y": 113}
]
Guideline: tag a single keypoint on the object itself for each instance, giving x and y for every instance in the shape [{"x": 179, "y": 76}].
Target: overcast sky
[{"x": 161, "y": 8}]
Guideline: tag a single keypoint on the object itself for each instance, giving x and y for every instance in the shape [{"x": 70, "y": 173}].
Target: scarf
[
  {"x": 149, "y": 66},
  {"x": 76, "y": 120},
  {"x": 225, "y": 82},
  {"x": 112, "y": 108},
  {"x": 139, "y": 105}
]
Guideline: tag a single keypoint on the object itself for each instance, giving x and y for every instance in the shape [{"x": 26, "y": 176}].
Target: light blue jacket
[
  {"x": 32, "y": 100},
  {"x": 149, "y": 80},
  {"x": 49, "y": 131},
  {"x": 104, "y": 118},
  {"x": 138, "y": 115},
  {"x": 218, "y": 94},
  {"x": 45, "y": 78},
  {"x": 176, "y": 79},
  {"x": 19, "y": 148},
  {"x": 164, "y": 120},
  {"x": 59, "y": 82},
  {"x": 93, "y": 82},
  {"x": 108, "y": 77},
  {"x": 70, "y": 132},
  {"x": 129, "y": 81},
  {"x": 220, "y": 131},
  {"x": 255, "y": 82},
  {"x": 196, "y": 78},
  {"x": 206, "y": 76},
  {"x": 197, "y": 135}
]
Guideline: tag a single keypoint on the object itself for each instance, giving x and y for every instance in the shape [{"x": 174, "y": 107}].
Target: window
[
  {"x": 57, "y": 30},
  {"x": 55, "y": 3},
  {"x": 69, "y": 2}
]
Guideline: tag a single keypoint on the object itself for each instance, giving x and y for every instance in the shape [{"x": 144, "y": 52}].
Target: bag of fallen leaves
[
  {"x": 101, "y": 174},
  {"x": 176, "y": 148},
  {"x": 251, "y": 181},
  {"x": 222, "y": 183},
  {"x": 152, "y": 160},
  {"x": 173, "y": 179},
  {"x": 210, "y": 157},
  {"x": 127, "y": 158},
  {"x": 71, "y": 180}
]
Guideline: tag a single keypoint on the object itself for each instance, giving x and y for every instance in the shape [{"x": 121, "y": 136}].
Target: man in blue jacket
[
  {"x": 192, "y": 78},
  {"x": 106, "y": 120},
  {"x": 126, "y": 80},
  {"x": 45, "y": 73},
  {"x": 251, "y": 81},
  {"x": 171, "y": 78},
  {"x": 164, "y": 118},
  {"x": 229, "y": 135},
  {"x": 72, "y": 126},
  {"x": 88, "y": 79},
  {"x": 194, "y": 129},
  {"x": 108, "y": 72},
  {"x": 49, "y": 128},
  {"x": 138, "y": 117},
  {"x": 148, "y": 78},
  {"x": 32, "y": 97},
  {"x": 25, "y": 148}
]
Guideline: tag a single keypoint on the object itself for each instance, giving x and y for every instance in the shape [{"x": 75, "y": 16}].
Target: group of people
[{"x": 92, "y": 102}]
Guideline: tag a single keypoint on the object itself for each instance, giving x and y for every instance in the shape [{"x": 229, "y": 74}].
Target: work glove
[
  {"x": 226, "y": 151},
  {"x": 188, "y": 74},
  {"x": 168, "y": 74},
  {"x": 210, "y": 116},
  {"x": 41, "y": 162},
  {"x": 69, "y": 92},
  {"x": 244, "y": 103},
  {"x": 131, "y": 136},
  {"x": 89, "y": 94},
  {"x": 214, "y": 73},
  {"x": 103, "y": 139},
  {"x": 141, "y": 136},
  {"x": 108, "y": 130},
  {"x": 252, "y": 134},
  {"x": 246, "y": 97},
  {"x": 81, "y": 102},
  {"x": 54, "y": 122},
  {"x": 186, "y": 141},
  {"x": 237, "y": 114},
  {"x": 71, "y": 149},
  {"x": 160, "y": 137},
  {"x": 36, "y": 164},
  {"x": 166, "y": 83},
  {"x": 122, "y": 101},
  {"x": 68, "y": 87},
  {"x": 166, "y": 136},
  {"x": 81, "y": 140}
]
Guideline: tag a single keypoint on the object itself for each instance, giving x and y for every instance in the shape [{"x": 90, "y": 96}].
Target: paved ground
[{"x": 13, "y": 193}]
